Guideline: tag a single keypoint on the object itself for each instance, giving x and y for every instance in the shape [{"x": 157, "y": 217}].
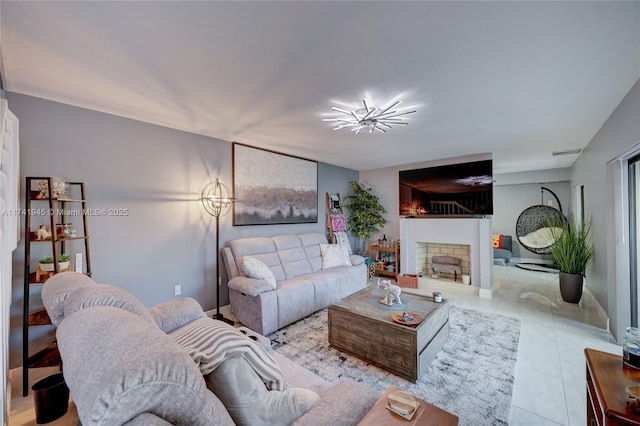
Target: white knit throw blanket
[{"x": 209, "y": 342}]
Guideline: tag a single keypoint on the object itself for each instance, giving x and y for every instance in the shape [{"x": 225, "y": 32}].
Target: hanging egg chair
[{"x": 532, "y": 227}]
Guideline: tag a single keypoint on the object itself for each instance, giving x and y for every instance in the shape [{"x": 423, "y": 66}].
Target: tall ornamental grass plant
[{"x": 572, "y": 249}]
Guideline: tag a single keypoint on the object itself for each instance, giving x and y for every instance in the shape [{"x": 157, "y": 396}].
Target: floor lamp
[{"x": 216, "y": 201}]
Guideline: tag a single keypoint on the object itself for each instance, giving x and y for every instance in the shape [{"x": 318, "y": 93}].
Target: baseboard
[
  {"x": 9, "y": 391},
  {"x": 602, "y": 314},
  {"x": 515, "y": 260},
  {"x": 224, "y": 310},
  {"x": 486, "y": 293}
]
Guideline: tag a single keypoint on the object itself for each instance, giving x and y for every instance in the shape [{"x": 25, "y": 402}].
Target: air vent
[{"x": 567, "y": 152}]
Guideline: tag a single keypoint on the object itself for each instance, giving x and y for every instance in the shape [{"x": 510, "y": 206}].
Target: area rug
[{"x": 472, "y": 376}]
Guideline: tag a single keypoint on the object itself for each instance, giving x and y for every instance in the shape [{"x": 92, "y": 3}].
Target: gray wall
[
  {"x": 157, "y": 174},
  {"x": 607, "y": 277}
]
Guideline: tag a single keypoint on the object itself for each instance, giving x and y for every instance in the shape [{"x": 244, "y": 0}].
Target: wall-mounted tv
[{"x": 462, "y": 189}]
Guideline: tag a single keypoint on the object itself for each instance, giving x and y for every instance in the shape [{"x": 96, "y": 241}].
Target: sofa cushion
[
  {"x": 261, "y": 248},
  {"x": 176, "y": 313},
  {"x": 344, "y": 404},
  {"x": 58, "y": 288},
  {"x": 501, "y": 254},
  {"x": 258, "y": 270},
  {"x": 540, "y": 238},
  {"x": 250, "y": 403},
  {"x": 118, "y": 366},
  {"x": 311, "y": 242},
  {"x": 292, "y": 256},
  {"x": 299, "y": 376},
  {"x": 334, "y": 255},
  {"x": 332, "y": 285}
]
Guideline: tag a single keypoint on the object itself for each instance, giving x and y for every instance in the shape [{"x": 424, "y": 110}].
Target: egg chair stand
[{"x": 531, "y": 230}]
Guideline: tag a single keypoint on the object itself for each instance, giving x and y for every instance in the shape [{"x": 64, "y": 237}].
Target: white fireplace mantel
[{"x": 475, "y": 232}]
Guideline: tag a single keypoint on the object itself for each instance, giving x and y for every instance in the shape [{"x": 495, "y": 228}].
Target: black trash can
[{"x": 50, "y": 398}]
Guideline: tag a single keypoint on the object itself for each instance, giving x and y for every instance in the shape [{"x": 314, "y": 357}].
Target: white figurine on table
[{"x": 392, "y": 295}]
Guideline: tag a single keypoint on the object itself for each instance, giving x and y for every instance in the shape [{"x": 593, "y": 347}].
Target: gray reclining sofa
[{"x": 303, "y": 286}]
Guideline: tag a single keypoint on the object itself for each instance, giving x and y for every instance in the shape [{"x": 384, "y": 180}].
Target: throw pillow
[
  {"x": 497, "y": 241},
  {"x": 249, "y": 402},
  {"x": 343, "y": 238},
  {"x": 334, "y": 255},
  {"x": 256, "y": 269}
]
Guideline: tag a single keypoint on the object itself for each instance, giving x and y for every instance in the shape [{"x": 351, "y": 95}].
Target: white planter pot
[{"x": 48, "y": 267}]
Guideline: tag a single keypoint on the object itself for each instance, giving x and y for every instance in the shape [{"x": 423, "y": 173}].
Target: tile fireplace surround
[{"x": 475, "y": 232}]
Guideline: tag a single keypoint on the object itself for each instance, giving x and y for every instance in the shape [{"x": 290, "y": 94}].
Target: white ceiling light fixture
[{"x": 369, "y": 118}]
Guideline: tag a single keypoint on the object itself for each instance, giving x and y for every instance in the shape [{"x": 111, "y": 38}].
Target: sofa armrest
[
  {"x": 176, "y": 313},
  {"x": 250, "y": 286},
  {"x": 356, "y": 259}
]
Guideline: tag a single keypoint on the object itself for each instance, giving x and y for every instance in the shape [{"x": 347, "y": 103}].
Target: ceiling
[{"x": 515, "y": 79}]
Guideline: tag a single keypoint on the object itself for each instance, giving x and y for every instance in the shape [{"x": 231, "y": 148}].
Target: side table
[
  {"x": 607, "y": 380},
  {"x": 427, "y": 414}
]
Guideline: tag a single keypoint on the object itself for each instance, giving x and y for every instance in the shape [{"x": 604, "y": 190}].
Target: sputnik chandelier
[{"x": 369, "y": 118}]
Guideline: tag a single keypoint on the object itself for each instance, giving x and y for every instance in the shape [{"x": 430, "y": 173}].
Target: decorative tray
[
  {"x": 407, "y": 318},
  {"x": 403, "y": 404}
]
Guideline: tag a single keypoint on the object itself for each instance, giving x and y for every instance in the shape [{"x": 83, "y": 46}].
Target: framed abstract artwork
[{"x": 273, "y": 188}]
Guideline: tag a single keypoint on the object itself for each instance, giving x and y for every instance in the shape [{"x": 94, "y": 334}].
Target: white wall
[{"x": 607, "y": 277}]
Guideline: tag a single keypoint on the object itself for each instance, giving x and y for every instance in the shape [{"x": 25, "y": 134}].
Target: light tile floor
[{"x": 550, "y": 378}]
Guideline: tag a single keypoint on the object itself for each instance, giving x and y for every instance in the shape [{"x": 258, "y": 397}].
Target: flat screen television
[{"x": 458, "y": 190}]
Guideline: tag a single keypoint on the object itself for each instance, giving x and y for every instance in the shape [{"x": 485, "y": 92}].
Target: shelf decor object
[
  {"x": 216, "y": 201},
  {"x": 369, "y": 119}
]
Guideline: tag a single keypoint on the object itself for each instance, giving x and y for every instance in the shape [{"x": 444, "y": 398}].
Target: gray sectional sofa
[
  {"x": 303, "y": 286},
  {"x": 128, "y": 365}
]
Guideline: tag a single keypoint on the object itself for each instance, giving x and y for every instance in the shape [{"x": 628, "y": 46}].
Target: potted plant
[
  {"x": 572, "y": 252},
  {"x": 46, "y": 263},
  {"x": 365, "y": 213}
]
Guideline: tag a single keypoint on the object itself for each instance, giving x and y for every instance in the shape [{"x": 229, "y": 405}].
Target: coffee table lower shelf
[{"x": 427, "y": 414}]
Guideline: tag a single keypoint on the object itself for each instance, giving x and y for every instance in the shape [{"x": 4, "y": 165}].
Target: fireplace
[
  {"x": 425, "y": 251},
  {"x": 450, "y": 234}
]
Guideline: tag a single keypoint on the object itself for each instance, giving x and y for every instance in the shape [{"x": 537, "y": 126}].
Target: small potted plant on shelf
[{"x": 46, "y": 263}]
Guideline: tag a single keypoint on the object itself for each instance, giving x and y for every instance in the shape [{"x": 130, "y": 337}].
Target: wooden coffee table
[
  {"x": 361, "y": 327},
  {"x": 427, "y": 414}
]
